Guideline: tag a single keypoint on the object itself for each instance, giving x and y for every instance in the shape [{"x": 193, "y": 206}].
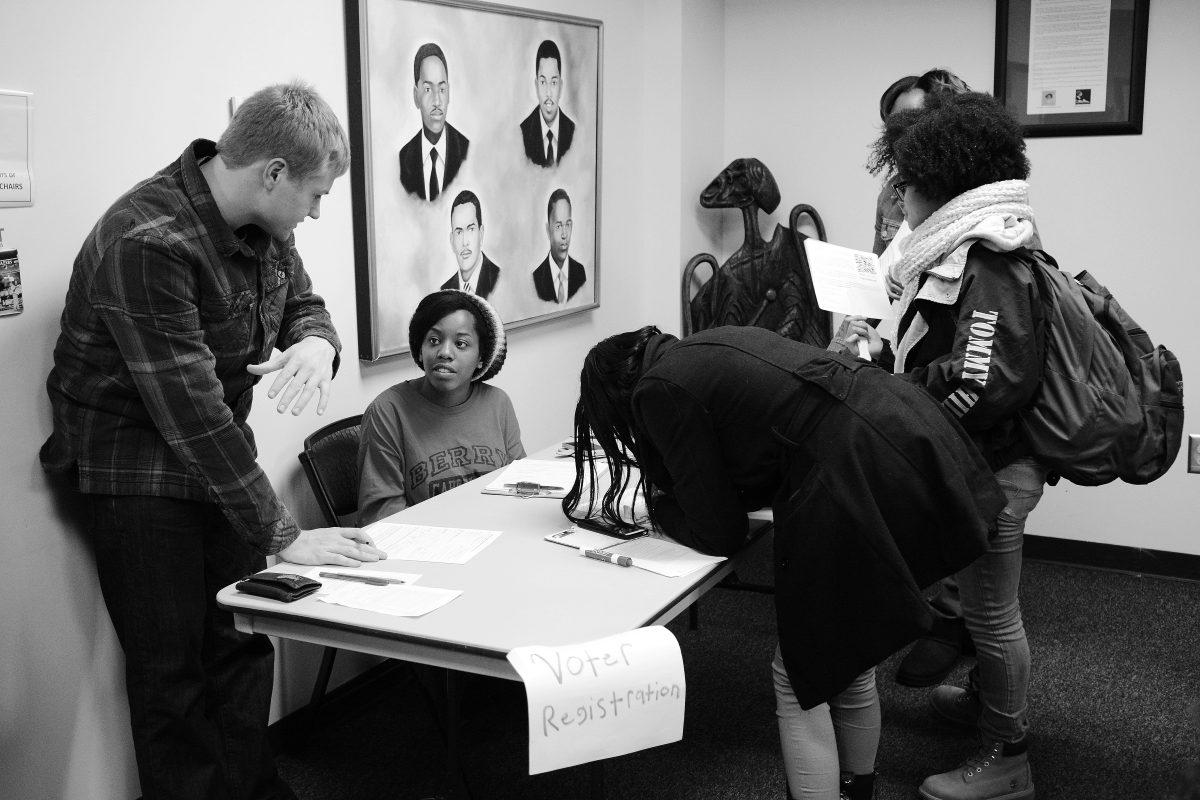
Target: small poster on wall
[
  {"x": 10, "y": 280},
  {"x": 16, "y": 178}
]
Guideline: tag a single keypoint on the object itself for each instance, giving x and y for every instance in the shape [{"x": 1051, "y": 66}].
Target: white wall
[
  {"x": 119, "y": 90},
  {"x": 702, "y": 137},
  {"x": 802, "y": 93}
]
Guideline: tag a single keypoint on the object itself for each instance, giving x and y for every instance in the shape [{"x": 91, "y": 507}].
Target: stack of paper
[
  {"x": 429, "y": 542},
  {"x": 397, "y": 599},
  {"x": 664, "y": 557},
  {"x": 650, "y": 552}
]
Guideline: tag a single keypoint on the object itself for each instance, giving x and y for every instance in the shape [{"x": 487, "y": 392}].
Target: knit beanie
[{"x": 493, "y": 345}]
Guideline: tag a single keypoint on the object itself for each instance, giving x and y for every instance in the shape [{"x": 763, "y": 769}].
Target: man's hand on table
[{"x": 344, "y": 547}]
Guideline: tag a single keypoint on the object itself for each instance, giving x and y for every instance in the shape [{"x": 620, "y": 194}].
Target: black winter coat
[
  {"x": 876, "y": 491},
  {"x": 983, "y": 353}
]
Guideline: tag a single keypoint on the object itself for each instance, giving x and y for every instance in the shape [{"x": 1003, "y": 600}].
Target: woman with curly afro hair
[
  {"x": 934, "y": 655},
  {"x": 970, "y": 331},
  {"x": 906, "y": 94}
]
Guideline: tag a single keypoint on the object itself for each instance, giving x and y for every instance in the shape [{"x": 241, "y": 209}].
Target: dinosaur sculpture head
[{"x": 745, "y": 182}]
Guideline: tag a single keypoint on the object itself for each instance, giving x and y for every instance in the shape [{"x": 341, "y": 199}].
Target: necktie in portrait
[{"x": 433, "y": 181}]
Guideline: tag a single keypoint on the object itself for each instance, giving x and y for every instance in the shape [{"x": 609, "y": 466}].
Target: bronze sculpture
[{"x": 764, "y": 283}]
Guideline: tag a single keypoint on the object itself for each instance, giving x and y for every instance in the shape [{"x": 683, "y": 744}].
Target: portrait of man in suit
[
  {"x": 558, "y": 277},
  {"x": 476, "y": 273},
  {"x": 547, "y": 131},
  {"x": 430, "y": 160}
]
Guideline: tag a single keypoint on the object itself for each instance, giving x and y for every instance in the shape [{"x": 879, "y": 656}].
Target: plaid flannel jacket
[{"x": 165, "y": 309}]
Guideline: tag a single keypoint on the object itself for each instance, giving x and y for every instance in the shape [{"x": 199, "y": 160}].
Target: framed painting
[
  {"x": 1072, "y": 67},
  {"x": 476, "y": 131}
]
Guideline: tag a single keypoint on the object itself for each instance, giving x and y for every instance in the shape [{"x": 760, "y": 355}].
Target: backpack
[{"x": 1110, "y": 403}]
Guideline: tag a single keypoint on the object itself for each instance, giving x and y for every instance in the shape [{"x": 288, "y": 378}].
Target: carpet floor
[{"x": 1112, "y": 704}]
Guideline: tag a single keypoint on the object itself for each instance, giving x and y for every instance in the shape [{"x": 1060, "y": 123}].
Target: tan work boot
[{"x": 998, "y": 771}]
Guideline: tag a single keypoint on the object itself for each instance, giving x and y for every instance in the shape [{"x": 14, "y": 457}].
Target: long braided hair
[{"x": 604, "y": 420}]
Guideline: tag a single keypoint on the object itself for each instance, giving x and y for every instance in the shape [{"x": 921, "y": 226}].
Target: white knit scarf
[{"x": 997, "y": 213}]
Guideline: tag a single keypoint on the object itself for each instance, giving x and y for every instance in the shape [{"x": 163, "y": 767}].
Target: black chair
[{"x": 330, "y": 460}]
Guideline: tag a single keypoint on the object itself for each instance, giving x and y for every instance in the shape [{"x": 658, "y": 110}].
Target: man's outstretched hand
[{"x": 305, "y": 369}]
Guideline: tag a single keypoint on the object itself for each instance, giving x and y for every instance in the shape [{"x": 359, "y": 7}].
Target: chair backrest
[{"x": 330, "y": 460}]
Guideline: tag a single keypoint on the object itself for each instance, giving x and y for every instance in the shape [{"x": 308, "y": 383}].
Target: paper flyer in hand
[{"x": 847, "y": 281}]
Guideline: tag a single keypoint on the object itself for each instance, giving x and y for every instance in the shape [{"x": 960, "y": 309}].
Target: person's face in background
[
  {"x": 558, "y": 226},
  {"x": 450, "y": 356},
  {"x": 915, "y": 205},
  {"x": 466, "y": 238},
  {"x": 549, "y": 87},
  {"x": 431, "y": 95}
]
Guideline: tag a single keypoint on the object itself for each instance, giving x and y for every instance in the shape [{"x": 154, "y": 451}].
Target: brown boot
[{"x": 999, "y": 771}]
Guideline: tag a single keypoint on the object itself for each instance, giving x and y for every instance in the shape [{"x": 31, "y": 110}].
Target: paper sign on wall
[
  {"x": 602, "y": 698},
  {"x": 16, "y": 180}
]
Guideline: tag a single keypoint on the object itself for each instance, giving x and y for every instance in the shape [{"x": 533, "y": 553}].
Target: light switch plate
[{"x": 1194, "y": 452}]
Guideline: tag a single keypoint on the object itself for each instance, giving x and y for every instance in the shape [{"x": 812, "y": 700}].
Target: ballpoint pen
[
  {"x": 611, "y": 558},
  {"x": 532, "y": 486},
  {"x": 373, "y": 580}
]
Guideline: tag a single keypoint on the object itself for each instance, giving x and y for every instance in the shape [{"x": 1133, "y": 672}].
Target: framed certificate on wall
[{"x": 1072, "y": 67}]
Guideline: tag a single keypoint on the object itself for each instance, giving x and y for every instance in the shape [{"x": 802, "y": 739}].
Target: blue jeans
[
  {"x": 988, "y": 588},
  {"x": 822, "y": 742},
  {"x": 199, "y": 691}
]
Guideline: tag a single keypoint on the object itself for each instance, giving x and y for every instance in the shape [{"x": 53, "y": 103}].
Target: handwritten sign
[{"x": 602, "y": 698}]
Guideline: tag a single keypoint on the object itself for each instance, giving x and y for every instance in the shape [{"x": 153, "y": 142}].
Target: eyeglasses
[{"x": 898, "y": 187}]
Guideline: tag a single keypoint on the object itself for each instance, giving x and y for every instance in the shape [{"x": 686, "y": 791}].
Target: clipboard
[
  {"x": 531, "y": 477},
  {"x": 527, "y": 489}
]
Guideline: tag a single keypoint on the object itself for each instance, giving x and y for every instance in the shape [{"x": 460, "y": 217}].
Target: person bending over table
[
  {"x": 876, "y": 492},
  {"x": 427, "y": 435}
]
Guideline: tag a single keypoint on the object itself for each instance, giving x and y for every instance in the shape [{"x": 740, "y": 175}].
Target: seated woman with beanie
[{"x": 429, "y": 434}]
